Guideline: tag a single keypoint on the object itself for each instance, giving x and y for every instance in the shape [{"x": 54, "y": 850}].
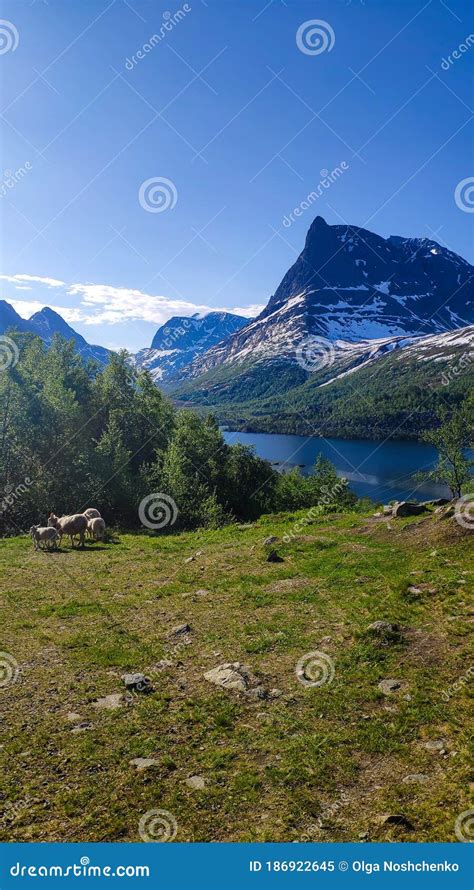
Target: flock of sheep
[{"x": 78, "y": 524}]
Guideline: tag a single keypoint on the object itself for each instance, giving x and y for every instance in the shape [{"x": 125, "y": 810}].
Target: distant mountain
[
  {"x": 350, "y": 284},
  {"x": 10, "y": 319},
  {"x": 45, "y": 324},
  {"x": 372, "y": 389},
  {"x": 369, "y": 300},
  {"x": 181, "y": 339}
]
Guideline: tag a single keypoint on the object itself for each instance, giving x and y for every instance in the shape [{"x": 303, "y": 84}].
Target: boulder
[
  {"x": 416, "y": 779},
  {"x": 389, "y": 686},
  {"x": 142, "y": 763},
  {"x": 181, "y": 629},
  {"x": 197, "y": 783},
  {"x": 137, "y": 682},
  {"x": 109, "y": 702},
  {"x": 408, "y": 508},
  {"x": 231, "y": 675}
]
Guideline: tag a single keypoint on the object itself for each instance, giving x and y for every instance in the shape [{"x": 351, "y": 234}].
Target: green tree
[{"x": 452, "y": 437}]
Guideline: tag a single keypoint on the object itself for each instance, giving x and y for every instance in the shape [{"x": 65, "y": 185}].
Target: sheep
[
  {"x": 96, "y": 528},
  {"x": 92, "y": 513},
  {"x": 48, "y": 535},
  {"x": 70, "y": 525}
]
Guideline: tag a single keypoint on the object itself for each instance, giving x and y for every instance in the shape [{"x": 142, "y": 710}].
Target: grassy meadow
[{"x": 324, "y": 763}]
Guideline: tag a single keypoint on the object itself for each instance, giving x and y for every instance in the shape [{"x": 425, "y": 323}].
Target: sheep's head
[
  {"x": 53, "y": 520},
  {"x": 32, "y": 530}
]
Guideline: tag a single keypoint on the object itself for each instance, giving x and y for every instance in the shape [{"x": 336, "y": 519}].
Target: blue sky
[{"x": 240, "y": 122}]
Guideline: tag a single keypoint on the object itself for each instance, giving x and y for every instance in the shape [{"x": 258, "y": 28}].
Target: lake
[{"x": 383, "y": 471}]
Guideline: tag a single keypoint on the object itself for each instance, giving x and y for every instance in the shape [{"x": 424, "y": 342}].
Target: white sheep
[
  {"x": 92, "y": 513},
  {"x": 70, "y": 525},
  {"x": 45, "y": 534},
  {"x": 96, "y": 528}
]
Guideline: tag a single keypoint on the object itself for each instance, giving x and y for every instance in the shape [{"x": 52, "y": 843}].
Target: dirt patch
[
  {"x": 288, "y": 584},
  {"x": 423, "y": 647}
]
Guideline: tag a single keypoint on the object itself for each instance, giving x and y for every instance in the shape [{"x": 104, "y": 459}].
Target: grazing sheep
[
  {"x": 46, "y": 534},
  {"x": 92, "y": 513},
  {"x": 70, "y": 525},
  {"x": 96, "y": 528}
]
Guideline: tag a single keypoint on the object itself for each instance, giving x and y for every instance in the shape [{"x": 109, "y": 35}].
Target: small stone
[
  {"x": 181, "y": 629},
  {"x": 142, "y": 763},
  {"x": 384, "y": 629},
  {"x": 137, "y": 682},
  {"x": 73, "y": 717},
  {"x": 363, "y": 835},
  {"x": 258, "y": 693},
  {"x": 274, "y": 557},
  {"x": 270, "y": 540},
  {"x": 109, "y": 702},
  {"x": 389, "y": 686},
  {"x": 163, "y": 664},
  {"x": 190, "y": 559},
  {"x": 197, "y": 783},
  {"x": 275, "y": 693},
  {"x": 435, "y": 745},
  {"x": 231, "y": 675},
  {"x": 416, "y": 779},
  {"x": 81, "y": 727},
  {"x": 416, "y": 591},
  {"x": 397, "y": 819}
]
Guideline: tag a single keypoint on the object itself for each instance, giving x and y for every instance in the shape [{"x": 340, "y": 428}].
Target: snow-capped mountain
[
  {"x": 350, "y": 284},
  {"x": 45, "y": 324},
  {"x": 182, "y": 338}
]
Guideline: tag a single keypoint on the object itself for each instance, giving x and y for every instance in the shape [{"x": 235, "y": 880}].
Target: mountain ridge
[{"x": 45, "y": 324}]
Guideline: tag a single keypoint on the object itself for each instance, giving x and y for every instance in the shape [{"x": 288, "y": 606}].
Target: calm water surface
[{"x": 383, "y": 471}]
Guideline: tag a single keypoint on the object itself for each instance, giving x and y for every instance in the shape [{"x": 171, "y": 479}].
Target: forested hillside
[{"x": 73, "y": 434}]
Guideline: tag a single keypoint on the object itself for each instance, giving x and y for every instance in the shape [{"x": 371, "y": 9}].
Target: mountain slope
[
  {"x": 181, "y": 339},
  {"x": 45, "y": 324},
  {"x": 353, "y": 285},
  {"x": 371, "y": 303},
  {"x": 373, "y": 389}
]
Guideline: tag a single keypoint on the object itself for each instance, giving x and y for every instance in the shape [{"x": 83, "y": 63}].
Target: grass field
[{"x": 309, "y": 763}]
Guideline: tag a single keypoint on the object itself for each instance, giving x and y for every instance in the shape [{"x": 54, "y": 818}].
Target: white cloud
[
  {"x": 38, "y": 279},
  {"x": 104, "y": 304},
  {"x": 27, "y": 308},
  {"x": 121, "y": 303}
]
